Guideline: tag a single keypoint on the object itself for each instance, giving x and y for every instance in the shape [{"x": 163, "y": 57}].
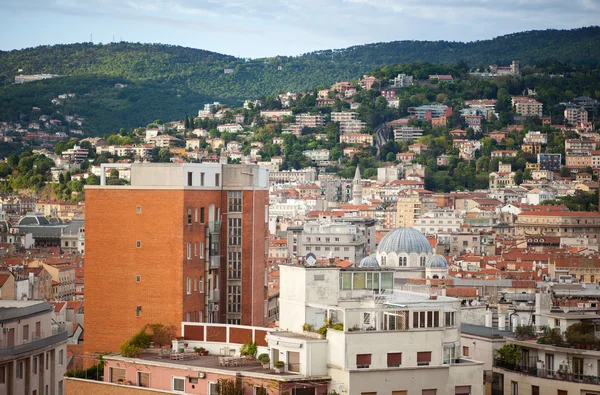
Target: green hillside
[{"x": 168, "y": 81}]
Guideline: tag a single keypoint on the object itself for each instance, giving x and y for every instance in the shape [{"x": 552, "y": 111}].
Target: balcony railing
[
  {"x": 33, "y": 345},
  {"x": 214, "y": 227},
  {"x": 215, "y": 261},
  {"x": 546, "y": 373}
]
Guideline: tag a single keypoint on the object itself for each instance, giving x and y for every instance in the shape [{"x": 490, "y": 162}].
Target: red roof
[
  {"x": 3, "y": 278},
  {"x": 58, "y": 306}
]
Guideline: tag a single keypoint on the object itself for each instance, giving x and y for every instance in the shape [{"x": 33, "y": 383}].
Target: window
[
  {"x": 561, "y": 392},
  {"x": 465, "y": 351},
  {"x": 394, "y": 359},
  {"x": 195, "y": 284},
  {"x": 189, "y": 178},
  {"x": 25, "y": 332},
  {"x": 47, "y": 360},
  {"x": 402, "y": 392},
  {"x": 34, "y": 365},
  {"x": 201, "y": 284},
  {"x": 179, "y": 384},
  {"x": 201, "y": 179},
  {"x": 189, "y": 250},
  {"x": 363, "y": 361},
  {"x": 212, "y": 389},
  {"x": 423, "y": 358},
  {"x": 217, "y": 180},
  {"x": 235, "y": 201},
  {"x": 462, "y": 390},
  {"x": 259, "y": 390},
  {"x": 189, "y": 285},
  {"x": 201, "y": 215},
  {"x": 234, "y": 265},
  {"x": 60, "y": 387},
  {"x": 143, "y": 379},
  {"x": 514, "y": 388},
  {"x": 2, "y": 374},
  {"x": 234, "y": 298},
  {"x": 235, "y": 231},
  {"x": 60, "y": 356},
  {"x": 138, "y": 311},
  {"x": 450, "y": 318},
  {"x": 20, "y": 366},
  {"x": 189, "y": 216},
  {"x": 368, "y": 393},
  {"x": 117, "y": 375},
  {"x": 201, "y": 248},
  {"x": 429, "y": 392},
  {"x": 138, "y": 244},
  {"x": 188, "y": 317},
  {"x": 138, "y": 278},
  {"x": 535, "y": 390}
]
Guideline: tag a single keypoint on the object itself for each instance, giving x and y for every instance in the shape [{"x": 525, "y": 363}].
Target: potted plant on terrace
[
  {"x": 249, "y": 349},
  {"x": 265, "y": 360},
  {"x": 278, "y": 365}
]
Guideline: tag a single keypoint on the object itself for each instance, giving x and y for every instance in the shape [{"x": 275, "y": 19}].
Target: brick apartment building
[{"x": 183, "y": 242}]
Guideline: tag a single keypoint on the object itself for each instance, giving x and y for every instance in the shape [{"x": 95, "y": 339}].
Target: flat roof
[
  {"x": 484, "y": 331},
  {"x": 210, "y": 363}
]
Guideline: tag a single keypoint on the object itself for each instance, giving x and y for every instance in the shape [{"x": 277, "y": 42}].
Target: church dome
[
  {"x": 437, "y": 262},
  {"x": 405, "y": 240},
  {"x": 369, "y": 261}
]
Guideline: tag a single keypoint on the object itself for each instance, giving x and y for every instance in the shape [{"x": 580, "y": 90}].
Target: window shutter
[
  {"x": 144, "y": 380},
  {"x": 429, "y": 392},
  {"x": 394, "y": 359},
  {"x": 363, "y": 359},
  {"x": 424, "y": 356},
  {"x": 462, "y": 390}
]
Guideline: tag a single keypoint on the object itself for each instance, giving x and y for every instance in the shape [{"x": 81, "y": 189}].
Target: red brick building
[{"x": 184, "y": 242}]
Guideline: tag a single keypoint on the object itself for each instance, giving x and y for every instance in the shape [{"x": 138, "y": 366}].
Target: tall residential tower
[{"x": 183, "y": 242}]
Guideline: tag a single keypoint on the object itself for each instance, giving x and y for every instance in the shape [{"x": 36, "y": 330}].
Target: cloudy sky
[{"x": 256, "y": 28}]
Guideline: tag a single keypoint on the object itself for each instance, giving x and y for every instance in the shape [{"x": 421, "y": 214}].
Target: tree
[
  {"x": 230, "y": 387},
  {"x": 390, "y": 157},
  {"x": 565, "y": 172},
  {"x": 61, "y": 178}
]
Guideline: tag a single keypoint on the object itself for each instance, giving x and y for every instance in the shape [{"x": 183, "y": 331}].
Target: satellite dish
[
  {"x": 310, "y": 259},
  {"x": 341, "y": 388}
]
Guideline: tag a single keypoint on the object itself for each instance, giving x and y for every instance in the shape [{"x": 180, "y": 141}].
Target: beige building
[
  {"x": 560, "y": 224},
  {"x": 504, "y": 177},
  {"x": 408, "y": 208},
  {"x": 33, "y": 356},
  {"x": 356, "y": 138},
  {"x": 575, "y": 115},
  {"x": 527, "y": 106}
]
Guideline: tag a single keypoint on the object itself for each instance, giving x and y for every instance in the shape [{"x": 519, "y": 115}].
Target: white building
[
  {"x": 33, "y": 355},
  {"x": 317, "y": 155},
  {"x": 439, "y": 221},
  {"x": 379, "y": 341}
]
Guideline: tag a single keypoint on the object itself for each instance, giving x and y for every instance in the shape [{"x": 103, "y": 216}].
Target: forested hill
[{"x": 185, "y": 77}]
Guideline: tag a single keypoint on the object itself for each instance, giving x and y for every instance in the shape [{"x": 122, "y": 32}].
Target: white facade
[
  {"x": 381, "y": 341},
  {"x": 438, "y": 221}
]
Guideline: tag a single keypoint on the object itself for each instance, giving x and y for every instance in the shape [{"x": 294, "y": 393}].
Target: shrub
[
  {"x": 279, "y": 364},
  {"x": 525, "y": 332},
  {"x": 262, "y": 358},
  {"x": 249, "y": 348},
  {"x": 308, "y": 328}
]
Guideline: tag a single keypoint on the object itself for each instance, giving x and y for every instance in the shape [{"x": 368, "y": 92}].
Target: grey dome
[
  {"x": 369, "y": 261},
  {"x": 437, "y": 262},
  {"x": 405, "y": 240},
  {"x": 33, "y": 219}
]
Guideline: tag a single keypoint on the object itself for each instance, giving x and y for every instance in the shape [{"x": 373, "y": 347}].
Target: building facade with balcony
[
  {"x": 33, "y": 357},
  {"x": 186, "y": 240},
  {"x": 379, "y": 340}
]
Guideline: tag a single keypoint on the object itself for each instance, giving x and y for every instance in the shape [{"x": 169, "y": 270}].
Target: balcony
[
  {"x": 560, "y": 375},
  {"x": 215, "y": 261},
  {"x": 214, "y": 227},
  {"x": 13, "y": 352}
]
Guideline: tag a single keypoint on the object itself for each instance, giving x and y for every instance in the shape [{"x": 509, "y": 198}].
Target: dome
[
  {"x": 405, "y": 240},
  {"x": 33, "y": 219},
  {"x": 369, "y": 261},
  {"x": 437, "y": 262}
]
